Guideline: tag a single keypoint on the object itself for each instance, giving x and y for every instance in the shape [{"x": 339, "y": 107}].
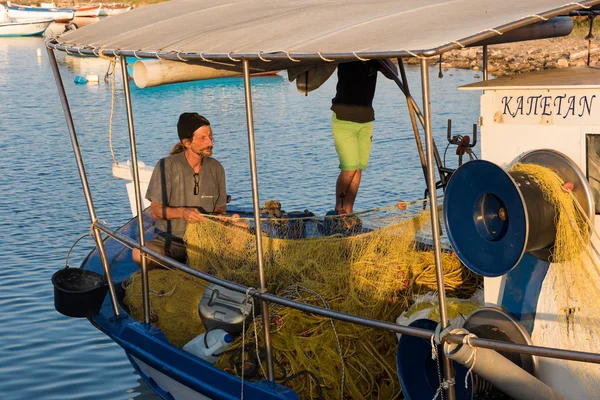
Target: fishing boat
[
  {"x": 114, "y": 9},
  {"x": 88, "y": 11},
  {"x": 522, "y": 217},
  {"x": 30, "y": 27},
  {"x": 57, "y": 14}
]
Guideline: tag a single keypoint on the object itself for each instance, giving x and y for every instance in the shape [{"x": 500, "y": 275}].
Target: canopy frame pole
[
  {"x": 413, "y": 119},
  {"x": 413, "y": 110},
  {"x": 136, "y": 186},
  {"x": 484, "y": 49},
  {"x": 84, "y": 182},
  {"x": 257, "y": 223},
  {"x": 435, "y": 226}
]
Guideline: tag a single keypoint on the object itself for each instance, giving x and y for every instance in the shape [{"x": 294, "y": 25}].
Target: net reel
[
  {"x": 494, "y": 217},
  {"x": 418, "y": 372}
]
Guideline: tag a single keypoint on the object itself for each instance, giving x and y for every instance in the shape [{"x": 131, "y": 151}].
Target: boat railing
[{"x": 353, "y": 319}]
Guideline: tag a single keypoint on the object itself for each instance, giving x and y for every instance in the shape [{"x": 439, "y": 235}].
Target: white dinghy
[{"x": 27, "y": 27}]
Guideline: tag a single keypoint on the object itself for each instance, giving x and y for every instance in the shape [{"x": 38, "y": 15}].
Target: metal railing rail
[{"x": 343, "y": 317}]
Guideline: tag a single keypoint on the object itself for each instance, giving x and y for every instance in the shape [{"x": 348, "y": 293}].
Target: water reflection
[
  {"x": 43, "y": 212},
  {"x": 142, "y": 391}
]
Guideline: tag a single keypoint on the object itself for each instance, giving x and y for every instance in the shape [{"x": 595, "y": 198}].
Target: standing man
[
  {"x": 183, "y": 186},
  {"x": 352, "y": 125}
]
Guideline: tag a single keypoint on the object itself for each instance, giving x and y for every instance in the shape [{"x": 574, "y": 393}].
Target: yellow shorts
[{"x": 353, "y": 143}]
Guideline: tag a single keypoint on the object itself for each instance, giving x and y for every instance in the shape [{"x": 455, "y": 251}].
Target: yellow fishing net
[
  {"x": 374, "y": 273},
  {"x": 574, "y": 275}
]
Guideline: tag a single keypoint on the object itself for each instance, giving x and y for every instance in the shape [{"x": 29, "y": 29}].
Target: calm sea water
[{"x": 42, "y": 212}]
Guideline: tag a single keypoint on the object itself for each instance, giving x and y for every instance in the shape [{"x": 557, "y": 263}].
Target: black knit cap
[{"x": 188, "y": 124}]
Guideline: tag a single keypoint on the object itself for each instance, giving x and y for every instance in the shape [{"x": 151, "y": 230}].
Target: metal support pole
[
  {"x": 84, "y": 182},
  {"x": 413, "y": 109},
  {"x": 138, "y": 195},
  {"x": 435, "y": 227},
  {"x": 254, "y": 174},
  {"x": 485, "y": 62}
]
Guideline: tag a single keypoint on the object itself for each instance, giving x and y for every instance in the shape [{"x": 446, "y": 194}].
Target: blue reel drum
[
  {"x": 493, "y": 217},
  {"x": 418, "y": 372}
]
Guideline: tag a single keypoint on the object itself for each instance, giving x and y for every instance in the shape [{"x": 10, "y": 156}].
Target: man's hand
[{"x": 192, "y": 215}]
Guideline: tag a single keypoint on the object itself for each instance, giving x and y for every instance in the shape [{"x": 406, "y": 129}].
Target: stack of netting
[{"x": 374, "y": 274}]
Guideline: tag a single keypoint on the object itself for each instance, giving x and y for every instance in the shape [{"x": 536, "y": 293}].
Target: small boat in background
[
  {"x": 26, "y": 27},
  {"x": 88, "y": 11},
  {"x": 57, "y": 14},
  {"x": 108, "y": 10}
]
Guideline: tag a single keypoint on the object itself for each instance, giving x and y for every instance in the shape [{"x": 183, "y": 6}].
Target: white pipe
[
  {"x": 501, "y": 372},
  {"x": 148, "y": 73}
]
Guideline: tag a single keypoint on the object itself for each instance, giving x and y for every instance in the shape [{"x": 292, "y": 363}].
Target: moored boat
[
  {"x": 28, "y": 27},
  {"x": 88, "y": 11},
  {"x": 57, "y": 14},
  {"x": 111, "y": 9},
  {"x": 500, "y": 224}
]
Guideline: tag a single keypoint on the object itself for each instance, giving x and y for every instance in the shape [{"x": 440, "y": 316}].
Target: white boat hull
[
  {"x": 25, "y": 28},
  {"x": 22, "y": 12},
  {"x": 93, "y": 11},
  {"x": 176, "y": 389},
  {"x": 110, "y": 11}
]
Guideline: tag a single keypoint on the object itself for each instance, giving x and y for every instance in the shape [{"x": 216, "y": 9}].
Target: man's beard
[{"x": 205, "y": 152}]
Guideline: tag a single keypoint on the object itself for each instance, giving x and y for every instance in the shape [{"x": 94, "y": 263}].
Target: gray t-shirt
[{"x": 172, "y": 184}]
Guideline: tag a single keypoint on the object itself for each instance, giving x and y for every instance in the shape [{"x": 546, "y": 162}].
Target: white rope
[
  {"x": 233, "y": 59},
  {"x": 413, "y": 54},
  {"x": 467, "y": 340},
  {"x": 496, "y": 31},
  {"x": 462, "y": 46},
  {"x": 358, "y": 57},
  {"x": 323, "y": 58},
  {"x": 290, "y": 57},
  {"x": 537, "y": 16},
  {"x": 579, "y": 4},
  {"x": 262, "y": 58}
]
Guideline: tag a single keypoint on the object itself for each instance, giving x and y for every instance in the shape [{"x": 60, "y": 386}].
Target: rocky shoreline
[{"x": 518, "y": 57}]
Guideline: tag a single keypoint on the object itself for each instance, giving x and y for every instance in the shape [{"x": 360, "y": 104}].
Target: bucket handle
[{"x": 73, "y": 246}]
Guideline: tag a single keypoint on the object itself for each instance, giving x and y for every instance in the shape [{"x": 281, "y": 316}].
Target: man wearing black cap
[{"x": 183, "y": 186}]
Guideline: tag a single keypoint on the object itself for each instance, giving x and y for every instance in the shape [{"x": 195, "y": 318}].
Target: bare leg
[{"x": 346, "y": 190}]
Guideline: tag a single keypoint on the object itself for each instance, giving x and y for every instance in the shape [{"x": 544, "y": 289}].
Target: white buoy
[
  {"x": 92, "y": 78},
  {"x": 39, "y": 53}
]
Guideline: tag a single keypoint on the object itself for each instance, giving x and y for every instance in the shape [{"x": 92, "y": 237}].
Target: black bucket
[{"x": 78, "y": 292}]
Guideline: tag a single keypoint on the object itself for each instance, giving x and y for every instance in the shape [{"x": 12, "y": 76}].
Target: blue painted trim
[
  {"x": 522, "y": 289},
  {"x": 148, "y": 344},
  {"x": 39, "y": 9}
]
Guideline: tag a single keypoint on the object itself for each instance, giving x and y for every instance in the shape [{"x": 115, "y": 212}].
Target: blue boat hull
[{"x": 170, "y": 371}]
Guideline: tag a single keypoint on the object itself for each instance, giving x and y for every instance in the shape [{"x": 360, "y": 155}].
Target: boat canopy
[{"x": 278, "y": 34}]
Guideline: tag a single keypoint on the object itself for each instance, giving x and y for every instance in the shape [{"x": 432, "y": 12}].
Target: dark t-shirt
[
  {"x": 355, "y": 91},
  {"x": 172, "y": 184}
]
